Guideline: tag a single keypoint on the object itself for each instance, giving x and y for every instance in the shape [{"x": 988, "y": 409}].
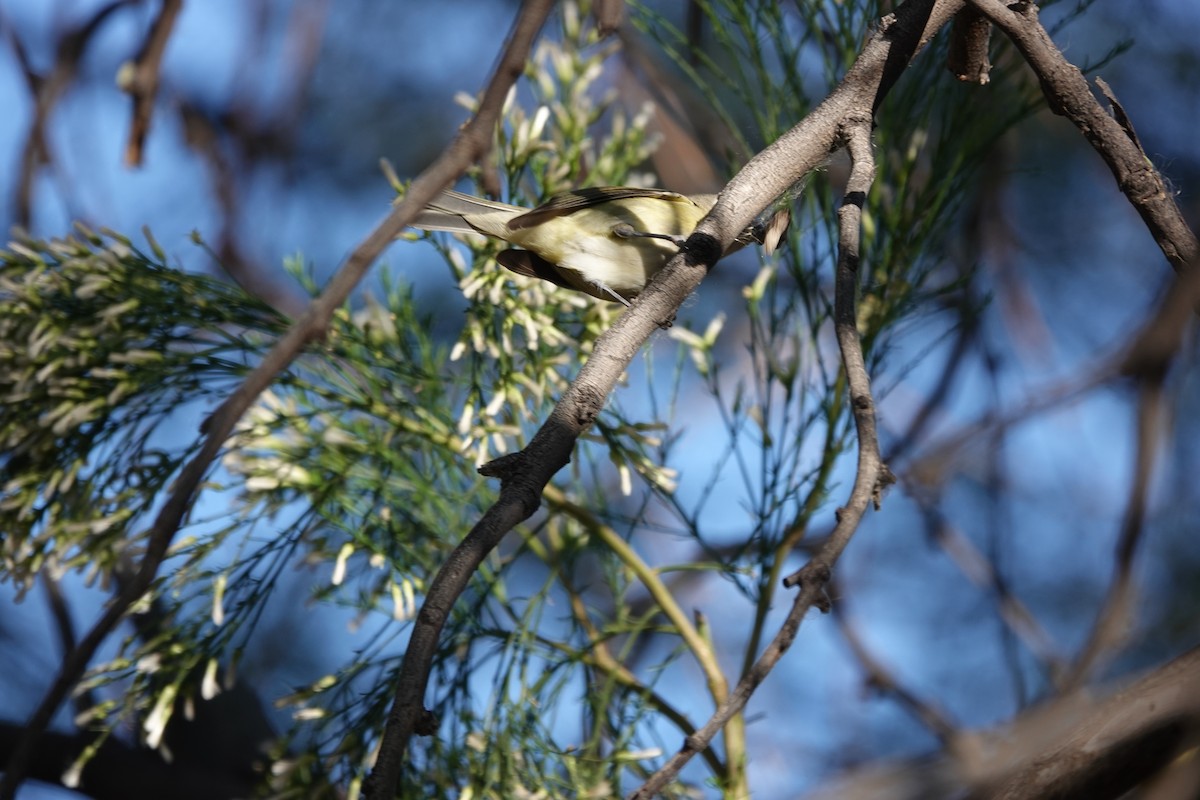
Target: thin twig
[
  {"x": 871, "y": 475},
  {"x": 849, "y": 108},
  {"x": 47, "y": 91},
  {"x": 982, "y": 572},
  {"x": 882, "y": 679},
  {"x": 1148, "y": 361},
  {"x": 898, "y": 38},
  {"x": 1113, "y": 621}
]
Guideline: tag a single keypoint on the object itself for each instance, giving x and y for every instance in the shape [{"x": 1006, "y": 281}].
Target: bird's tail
[{"x": 449, "y": 210}]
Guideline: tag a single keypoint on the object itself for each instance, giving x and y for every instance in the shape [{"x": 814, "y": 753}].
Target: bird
[{"x": 604, "y": 241}]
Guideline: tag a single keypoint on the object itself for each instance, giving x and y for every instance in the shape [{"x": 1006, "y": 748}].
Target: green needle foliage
[{"x": 100, "y": 345}]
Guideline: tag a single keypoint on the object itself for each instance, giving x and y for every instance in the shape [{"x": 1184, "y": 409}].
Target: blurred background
[{"x": 271, "y": 121}]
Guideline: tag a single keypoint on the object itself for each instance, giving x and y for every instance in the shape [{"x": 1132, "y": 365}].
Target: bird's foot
[{"x": 624, "y": 230}]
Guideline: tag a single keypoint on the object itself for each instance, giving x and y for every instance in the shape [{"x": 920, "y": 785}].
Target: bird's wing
[
  {"x": 570, "y": 202},
  {"x": 530, "y": 264}
]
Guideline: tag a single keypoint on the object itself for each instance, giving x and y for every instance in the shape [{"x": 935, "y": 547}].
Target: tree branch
[
  {"x": 1068, "y": 94},
  {"x": 47, "y": 91},
  {"x": 1147, "y": 361},
  {"x": 1078, "y": 747},
  {"x": 140, "y": 79},
  {"x": 968, "y": 57},
  {"x": 1116, "y": 615}
]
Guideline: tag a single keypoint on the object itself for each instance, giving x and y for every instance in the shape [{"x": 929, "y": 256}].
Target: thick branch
[{"x": 1078, "y": 747}]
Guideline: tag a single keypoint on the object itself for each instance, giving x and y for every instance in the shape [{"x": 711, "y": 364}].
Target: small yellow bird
[{"x": 606, "y": 241}]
